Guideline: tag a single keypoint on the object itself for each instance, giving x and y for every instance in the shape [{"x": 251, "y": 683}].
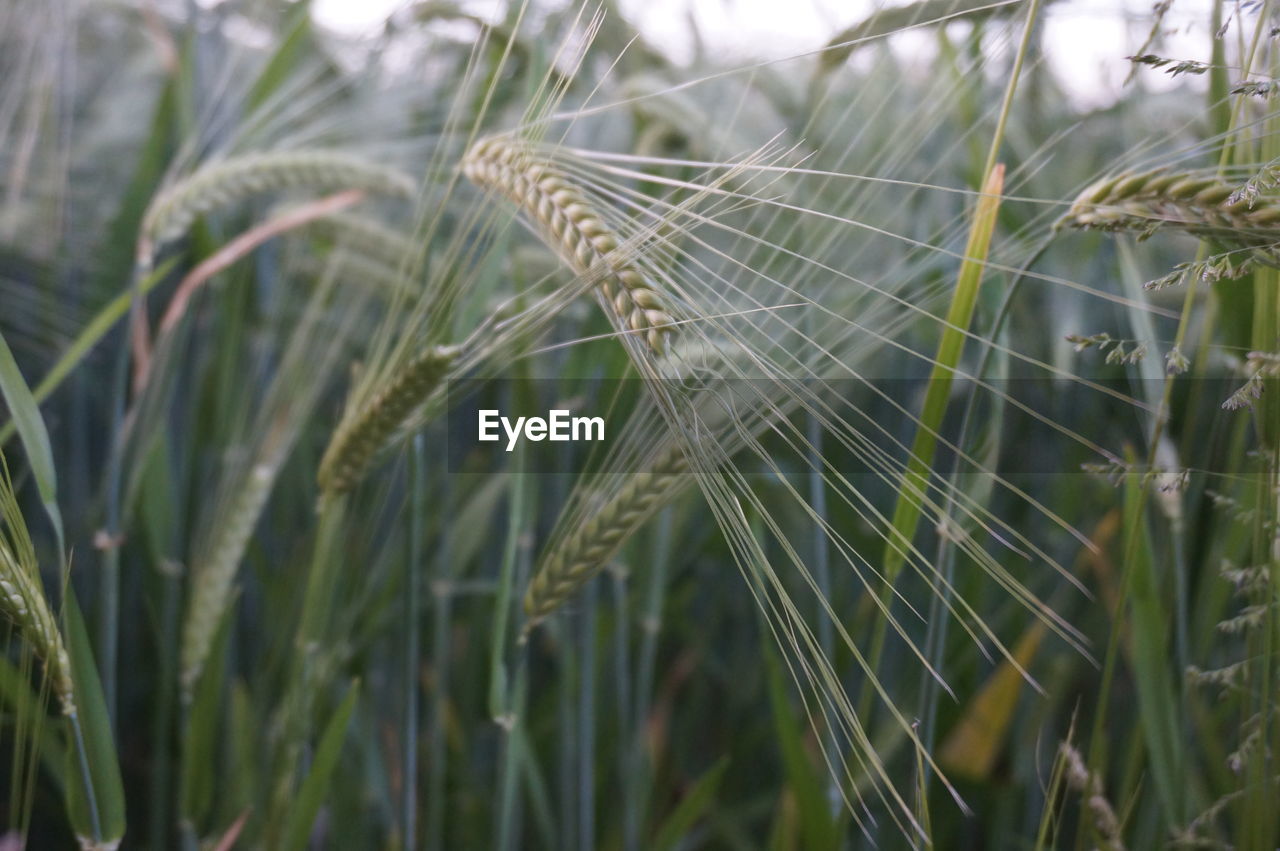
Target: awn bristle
[
  {"x": 365, "y": 431},
  {"x": 580, "y": 555},
  {"x": 571, "y": 224},
  {"x": 174, "y": 209}
]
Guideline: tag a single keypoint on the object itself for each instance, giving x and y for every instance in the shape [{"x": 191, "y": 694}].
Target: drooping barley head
[
  {"x": 571, "y": 224},
  {"x": 217, "y": 184}
]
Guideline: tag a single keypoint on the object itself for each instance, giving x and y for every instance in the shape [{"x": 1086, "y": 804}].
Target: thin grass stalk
[
  {"x": 567, "y": 741},
  {"x": 86, "y": 778},
  {"x": 161, "y": 730},
  {"x": 510, "y": 809},
  {"x": 910, "y": 504},
  {"x": 109, "y": 576},
  {"x": 413, "y": 592},
  {"x": 908, "y": 509},
  {"x": 945, "y": 557},
  {"x": 507, "y": 693},
  {"x": 622, "y": 673},
  {"x": 821, "y": 560},
  {"x": 639, "y": 775},
  {"x": 586, "y": 623},
  {"x": 1155, "y": 374},
  {"x": 442, "y": 615}
]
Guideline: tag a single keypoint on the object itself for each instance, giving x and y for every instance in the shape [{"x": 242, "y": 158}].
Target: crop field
[{"x": 543, "y": 424}]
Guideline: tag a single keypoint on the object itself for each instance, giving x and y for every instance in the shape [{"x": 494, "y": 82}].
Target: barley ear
[
  {"x": 1199, "y": 203},
  {"x": 215, "y": 571},
  {"x": 579, "y": 555},
  {"x": 218, "y": 184},
  {"x": 366, "y": 430},
  {"x": 22, "y": 600},
  {"x": 573, "y": 227}
]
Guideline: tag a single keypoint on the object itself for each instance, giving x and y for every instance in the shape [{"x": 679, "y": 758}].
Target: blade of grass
[
  {"x": 908, "y": 509},
  {"x": 92, "y": 334},
  {"x": 696, "y": 802},
  {"x": 200, "y": 737},
  {"x": 1157, "y": 698},
  {"x": 906, "y": 513},
  {"x": 507, "y": 692},
  {"x": 35, "y": 438},
  {"x": 96, "y": 794},
  {"x": 315, "y": 787},
  {"x": 442, "y": 614},
  {"x": 804, "y": 780}
]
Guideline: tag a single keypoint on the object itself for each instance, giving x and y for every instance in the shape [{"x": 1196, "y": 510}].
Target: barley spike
[
  {"x": 173, "y": 210},
  {"x": 364, "y": 432},
  {"x": 212, "y": 577},
  {"x": 22, "y": 600},
  {"x": 1199, "y": 203},
  {"x": 579, "y": 556},
  {"x": 570, "y": 223}
]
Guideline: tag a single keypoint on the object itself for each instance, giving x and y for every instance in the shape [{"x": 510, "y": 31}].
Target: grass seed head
[
  {"x": 220, "y": 183},
  {"x": 571, "y": 224},
  {"x": 365, "y": 431},
  {"x": 1199, "y": 203},
  {"x": 581, "y": 554},
  {"x": 22, "y": 599}
]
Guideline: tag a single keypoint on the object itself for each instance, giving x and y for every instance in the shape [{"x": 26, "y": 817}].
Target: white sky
[{"x": 1086, "y": 40}]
